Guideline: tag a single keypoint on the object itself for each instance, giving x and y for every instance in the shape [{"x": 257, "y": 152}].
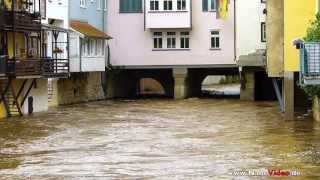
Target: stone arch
[{"x": 165, "y": 84}]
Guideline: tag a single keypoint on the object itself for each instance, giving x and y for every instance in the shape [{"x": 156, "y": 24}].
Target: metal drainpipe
[{"x": 235, "y": 30}]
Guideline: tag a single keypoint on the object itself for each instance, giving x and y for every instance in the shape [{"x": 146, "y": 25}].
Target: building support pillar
[
  {"x": 247, "y": 91},
  {"x": 180, "y": 83},
  {"x": 288, "y": 91}
]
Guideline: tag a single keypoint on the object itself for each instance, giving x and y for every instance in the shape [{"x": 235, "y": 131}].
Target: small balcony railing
[
  {"x": 309, "y": 62},
  {"x": 55, "y": 67}
]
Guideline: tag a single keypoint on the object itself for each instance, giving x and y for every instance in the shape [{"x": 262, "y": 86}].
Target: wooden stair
[{"x": 9, "y": 99}]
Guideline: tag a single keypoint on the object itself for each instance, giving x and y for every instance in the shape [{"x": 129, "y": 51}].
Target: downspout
[{"x": 235, "y": 30}]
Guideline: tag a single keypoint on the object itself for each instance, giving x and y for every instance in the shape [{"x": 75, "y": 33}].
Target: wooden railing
[
  {"x": 24, "y": 67},
  {"x": 55, "y": 67},
  {"x": 21, "y": 21}
]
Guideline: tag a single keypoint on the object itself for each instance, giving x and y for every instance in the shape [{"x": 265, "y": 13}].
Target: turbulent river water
[{"x": 157, "y": 139}]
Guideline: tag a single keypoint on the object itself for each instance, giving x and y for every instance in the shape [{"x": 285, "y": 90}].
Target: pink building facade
[{"x": 174, "y": 33}]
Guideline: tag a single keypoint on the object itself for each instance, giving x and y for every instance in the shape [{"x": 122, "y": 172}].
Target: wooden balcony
[
  {"x": 24, "y": 67},
  {"x": 21, "y": 22},
  {"x": 22, "y": 15}
]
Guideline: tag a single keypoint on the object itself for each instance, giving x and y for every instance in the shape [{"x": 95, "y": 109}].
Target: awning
[{"x": 88, "y": 30}]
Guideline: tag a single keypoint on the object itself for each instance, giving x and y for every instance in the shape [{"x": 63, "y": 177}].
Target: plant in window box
[{"x": 57, "y": 51}]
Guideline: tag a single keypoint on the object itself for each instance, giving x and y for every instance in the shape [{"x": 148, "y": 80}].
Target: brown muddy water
[{"x": 157, "y": 139}]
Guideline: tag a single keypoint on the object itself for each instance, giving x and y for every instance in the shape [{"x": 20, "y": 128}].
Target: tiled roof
[{"x": 88, "y": 30}]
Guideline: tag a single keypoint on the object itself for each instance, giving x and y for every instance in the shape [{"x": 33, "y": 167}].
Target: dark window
[
  {"x": 263, "y": 32},
  {"x": 131, "y": 6}
]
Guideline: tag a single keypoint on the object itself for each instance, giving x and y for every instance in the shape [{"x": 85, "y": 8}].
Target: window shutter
[{"x": 205, "y": 5}]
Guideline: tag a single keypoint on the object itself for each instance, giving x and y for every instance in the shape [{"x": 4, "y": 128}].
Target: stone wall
[
  {"x": 316, "y": 109},
  {"x": 94, "y": 87},
  {"x": 80, "y": 87},
  {"x": 247, "y": 91}
]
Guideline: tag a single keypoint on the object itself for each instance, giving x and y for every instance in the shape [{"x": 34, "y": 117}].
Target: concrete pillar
[
  {"x": 288, "y": 92},
  {"x": 247, "y": 91},
  {"x": 180, "y": 77},
  {"x": 94, "y": 88}
]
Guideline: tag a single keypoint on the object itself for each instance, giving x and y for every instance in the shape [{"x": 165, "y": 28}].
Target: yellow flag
[{"x": 223, "y": 9}]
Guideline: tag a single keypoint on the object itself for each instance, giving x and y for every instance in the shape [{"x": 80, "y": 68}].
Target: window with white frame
[
  {"x": 171, "y": 40},
  {"x": 99, "y": 4},
  {"x": 167, "y": 5},
  {"x": 83, "y": 3},
  {"x": 154, "y": 5},
  {"x": 92, "y": 47},
  {"x": 184, "y": 40},
  {"x": 209, "y": 5},
  {"x": 157, "y": 40},
  {"x": 181, "y": 5},
  {"x": 215, "y": 39}
]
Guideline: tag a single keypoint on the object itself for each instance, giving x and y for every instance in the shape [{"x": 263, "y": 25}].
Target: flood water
[{"x": 157, "y": 139}]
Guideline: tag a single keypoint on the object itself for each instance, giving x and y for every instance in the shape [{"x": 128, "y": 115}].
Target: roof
[
  {"x": 88, "y": 30},
  {"x": 54, "y": 28}
]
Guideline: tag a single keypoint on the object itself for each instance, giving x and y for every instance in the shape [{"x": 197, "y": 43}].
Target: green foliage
[
  {"x": 312, "y": 90},
  {"x": 313, "y": 32},
  {"x": 229, "y": 79},
  {"x": 313, "y": 35}
]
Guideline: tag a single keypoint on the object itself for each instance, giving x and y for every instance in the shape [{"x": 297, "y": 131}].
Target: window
[
  {"x": 215, "y": 40},
  {"x": 263, "y": 32},
  {"x": 99, "y": 4},
  {"x": 157, "y": 40},
  {"x": 154, "y": 5},
  {"x": 83, "y": 3},
  {"x": 181, "y": 5},
  {"x": 209, "y": 5},
  {"x": 130, "y": 6},
  {"x": 92, "y": 47},
  {"x": 105, "y": 4},
  {"x": 171, "y": 40},
  {"x": 85, "y": 47},
  {"x": 184, "y": 40},
  {"x": 167, "y": 5}
]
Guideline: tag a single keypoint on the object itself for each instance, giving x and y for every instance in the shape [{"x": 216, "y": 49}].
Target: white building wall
[
  {"x": 249, "y": 16},
  {"x": 132, "y": 45},
  {"x": 58, "y": 9},
  {"x": 168, "y": 19},
  {"x": 40, "y": 96}
]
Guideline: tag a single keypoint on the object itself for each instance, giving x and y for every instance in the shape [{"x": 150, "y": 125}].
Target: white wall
[
  {"x": 92, "y": 64},
  {"x": 58, "y": 9},
  {"x": 249, "y": 15},
  {"x": 132, "y": 45},
  {"x": 168, "y": 19},
  {"x": 39, "y": 94}
]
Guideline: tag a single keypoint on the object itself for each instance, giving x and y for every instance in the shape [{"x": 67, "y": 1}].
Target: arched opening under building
[
  {"x": 221, "y": 86},
  {"x": 149, "y": 88}
]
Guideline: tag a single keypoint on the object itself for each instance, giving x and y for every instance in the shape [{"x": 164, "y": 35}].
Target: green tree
[
  {"x": 313, "y": 32},
  {"x": 313, "y": 35}
]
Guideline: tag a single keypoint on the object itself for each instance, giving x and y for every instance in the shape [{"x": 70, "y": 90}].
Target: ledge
[
  {"x": 177, "y": 49},
  {"x": 215, "y": 49},
  {"x": 169, "y": 11}
]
